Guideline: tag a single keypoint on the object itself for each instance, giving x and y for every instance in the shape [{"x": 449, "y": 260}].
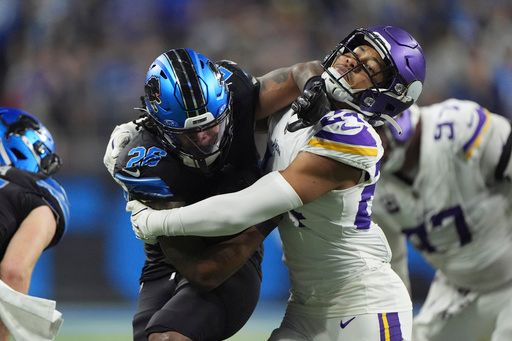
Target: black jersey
[
  {"x": 151, "y": 172},
  {"x": 20, "y": 193}
]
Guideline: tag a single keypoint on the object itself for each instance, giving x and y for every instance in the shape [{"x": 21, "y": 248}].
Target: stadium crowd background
[{"x": 80, "y": 66}]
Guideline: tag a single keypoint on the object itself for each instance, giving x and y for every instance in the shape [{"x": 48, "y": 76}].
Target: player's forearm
[
  {"x": 280, "y": 87},
  {"x": 302, "y": 72},
  {"x": 216, "y": 263},
  {"x": 226, "y": 214},
  {"x": 221, "y": 261}
]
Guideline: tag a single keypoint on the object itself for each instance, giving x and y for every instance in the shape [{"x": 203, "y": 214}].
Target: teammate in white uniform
[
  {"x": 343, "y": 287},
  {"x": 446, "y": 185}
]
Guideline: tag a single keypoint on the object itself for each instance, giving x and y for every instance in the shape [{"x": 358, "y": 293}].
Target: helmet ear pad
[{"x": 370, "y": 100}]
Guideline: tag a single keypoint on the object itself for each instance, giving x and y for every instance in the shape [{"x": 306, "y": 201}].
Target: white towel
[{"x": 28, "y": 318}]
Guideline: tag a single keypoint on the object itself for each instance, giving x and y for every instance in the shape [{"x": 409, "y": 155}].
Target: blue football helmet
[
  {"x": 26, "y": 143},
  {"x": 188, "y": 100},
  {"x": 403, "y": 70}
]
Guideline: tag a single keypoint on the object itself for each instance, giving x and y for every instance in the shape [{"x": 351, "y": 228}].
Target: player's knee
[{"x": 168, "y": 336}]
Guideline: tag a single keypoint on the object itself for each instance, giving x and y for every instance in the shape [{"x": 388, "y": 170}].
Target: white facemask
[{"x": 335, "y": 91}]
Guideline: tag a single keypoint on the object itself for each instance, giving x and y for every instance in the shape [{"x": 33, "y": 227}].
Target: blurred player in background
[
  {"x": 34, "y": 209},
  {"x": 446, "y": 186},
  {"x": 324, "y": 176},
  {"x": 195, "y": 140}
]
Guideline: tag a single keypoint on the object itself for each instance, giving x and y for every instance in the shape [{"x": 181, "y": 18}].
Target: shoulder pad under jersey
[
  {"x": 138, "y": 167},
  {"x": 459, "y": 122},
  {"x": 346, "y": 137}
]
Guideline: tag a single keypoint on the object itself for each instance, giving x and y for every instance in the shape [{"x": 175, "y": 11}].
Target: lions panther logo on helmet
[{"x": 152, "y": 89}]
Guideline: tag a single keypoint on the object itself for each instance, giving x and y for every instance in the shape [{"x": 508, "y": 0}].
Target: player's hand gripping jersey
[
  {"x": 331, "y": 246},
  {"x": 152, "y": 173},
  {"x": 20, "y": 193},
  {"x": 455, "y": 212}
]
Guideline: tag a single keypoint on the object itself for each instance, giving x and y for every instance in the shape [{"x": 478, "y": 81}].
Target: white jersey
[
  {"x": 460, "y": 223},
  {"x": 337, "y": 257}
]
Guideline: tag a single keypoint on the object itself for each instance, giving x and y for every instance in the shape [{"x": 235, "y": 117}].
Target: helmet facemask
[
  {"x": 338, "y": 87},
  {"x": 203, "y": 139}
]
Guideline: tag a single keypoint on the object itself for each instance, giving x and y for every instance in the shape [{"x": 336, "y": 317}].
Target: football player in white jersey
[
  {"x": 445, "y": 184},
  {"x": 324, "y": 176}
]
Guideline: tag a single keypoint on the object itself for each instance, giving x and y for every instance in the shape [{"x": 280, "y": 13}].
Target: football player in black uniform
[
  {"x": 34, "y": 208},
  {"x": 196, "y": 139}
]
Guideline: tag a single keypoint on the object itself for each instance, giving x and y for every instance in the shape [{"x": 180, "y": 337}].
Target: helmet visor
[{"x": 203, "y": 141}]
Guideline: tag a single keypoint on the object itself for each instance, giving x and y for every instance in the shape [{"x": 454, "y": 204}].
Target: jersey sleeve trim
[
  {"x": 152, "y": 186},
  {"x": 483, "y": 125},
  {"x": 343, "y": 147}
]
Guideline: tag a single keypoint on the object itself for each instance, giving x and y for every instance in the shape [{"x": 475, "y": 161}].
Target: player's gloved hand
[
  {"x": 139, "y": 220},
  {"x": 311, "y": 106},
  {"x": 120, "y": 137}
]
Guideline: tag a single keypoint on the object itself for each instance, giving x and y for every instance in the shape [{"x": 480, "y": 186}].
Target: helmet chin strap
[
  {"x": 336, "y": 92},
  {"x": 392, "y": 121},
  {"x": 345, "y": 93}
]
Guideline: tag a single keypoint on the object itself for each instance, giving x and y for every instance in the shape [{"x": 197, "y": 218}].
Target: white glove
[
  {"x": 120, "y": 137},
  {"x": 139, "y": 220}
]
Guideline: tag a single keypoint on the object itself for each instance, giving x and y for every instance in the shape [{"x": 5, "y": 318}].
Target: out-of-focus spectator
[{"x": 82, "y": 62}]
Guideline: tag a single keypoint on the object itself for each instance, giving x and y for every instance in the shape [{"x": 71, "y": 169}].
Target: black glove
[{"x": 311, "y": 106}]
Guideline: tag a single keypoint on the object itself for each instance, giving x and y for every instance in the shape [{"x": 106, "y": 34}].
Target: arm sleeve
[{"x": 228, "y": 214}]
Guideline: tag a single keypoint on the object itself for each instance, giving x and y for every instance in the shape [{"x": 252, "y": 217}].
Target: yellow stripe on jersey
[
  {"x": 341, "y": 147},
  {"x": 478, "y": 140},
  {"x": 385, "y": 323}
]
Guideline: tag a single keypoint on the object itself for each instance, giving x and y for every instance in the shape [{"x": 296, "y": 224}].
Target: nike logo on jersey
[
  {"x": 343, "y": 325},
  {"x": 135, "y": 173},
  {"x": 346, "y": 127}
]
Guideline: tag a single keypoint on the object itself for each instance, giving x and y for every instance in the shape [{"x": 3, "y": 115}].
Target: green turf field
[
  {"x": 241, "y": 336},
  {"x": 113, "y": 323}
]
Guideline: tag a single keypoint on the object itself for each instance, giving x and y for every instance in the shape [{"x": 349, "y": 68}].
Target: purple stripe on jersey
[
  {"x": 381, "y": 328},
  {"x": 363, "y": 138},
  {"x": 395, "y": 331},
  {"x": 481, "y": 122},
  {"x": 363, "y": 218}
]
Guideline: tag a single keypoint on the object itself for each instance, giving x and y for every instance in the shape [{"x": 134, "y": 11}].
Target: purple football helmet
[
  {"x": 399, "y": 139},
  {"x": 404, "y": 73}
]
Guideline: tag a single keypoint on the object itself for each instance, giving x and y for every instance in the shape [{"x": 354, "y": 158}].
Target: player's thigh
[
  {"x": 240, "y": 294},
  {"x": 153, "y": 295},
  {"x": 503, "y": 329},
  {"x": 453, "y": 314},
  {"x": 213, "y": 315},
  {"x": 391, "y": 326}
]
